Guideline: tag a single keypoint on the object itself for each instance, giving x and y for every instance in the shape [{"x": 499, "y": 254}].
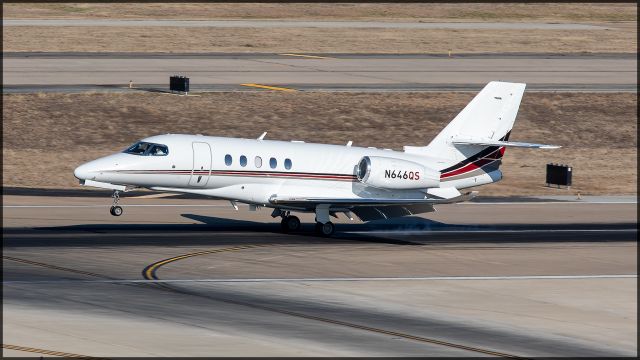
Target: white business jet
[{"x": 323, "y": 179}]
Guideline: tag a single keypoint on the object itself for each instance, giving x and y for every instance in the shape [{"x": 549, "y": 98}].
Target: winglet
[{"x": 262, "y": 136}]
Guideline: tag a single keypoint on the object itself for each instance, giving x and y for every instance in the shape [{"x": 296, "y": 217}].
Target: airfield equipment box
[
  {"x": 558, "y": 174},
  {"x": 179, "y": 83}
]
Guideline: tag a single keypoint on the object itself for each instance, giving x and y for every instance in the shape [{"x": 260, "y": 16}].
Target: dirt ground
[
  {"x": 50, "y": 134},
  {"x": 621, "y": 19},
  {"x": 621, "y": 39},
  {"x": 557, "y": 12},
  {"x": 426, "y": 12}
]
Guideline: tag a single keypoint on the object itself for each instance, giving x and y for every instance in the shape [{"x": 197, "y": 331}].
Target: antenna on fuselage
[
  {"x": 349, "y": 143},
  {"x": 262, "y": 136}
]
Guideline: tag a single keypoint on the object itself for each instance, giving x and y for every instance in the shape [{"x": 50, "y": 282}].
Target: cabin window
[
  {"x": 287, "y": 164},
  {"x": 273, "y": 163},
  {"x": 147, "y": 149},
  {"x": 258, "y": 162},
  {"x": 243, "y": 161},
  {"x": 228, "y": 160}
]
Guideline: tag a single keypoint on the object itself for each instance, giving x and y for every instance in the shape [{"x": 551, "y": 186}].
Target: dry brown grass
[
  {"x": 622, "y": 38},
  {"x": 389, "y": 11},
  {"x": 310, "y": 40},
  {"x": 47, "y": 135}
]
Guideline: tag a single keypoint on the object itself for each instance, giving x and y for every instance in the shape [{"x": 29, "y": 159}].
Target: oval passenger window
[
  {"x": 258, "y": 161},
  {"x": 287, "y": 164},
  {"x": 228, "y": 160},
  {"x": 273, "y": 163},
  {"x": 243, "y": 161}
]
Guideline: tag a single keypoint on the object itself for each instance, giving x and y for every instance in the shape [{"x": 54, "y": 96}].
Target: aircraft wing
[
  {"x": 373, "y": 209},
  {"x": 352, "y": 202}
]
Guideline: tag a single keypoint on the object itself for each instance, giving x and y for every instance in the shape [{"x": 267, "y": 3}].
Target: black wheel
[
  {"x": 292, "y": 223},
  {"x": 326, "y": 229},
  {"x": 116, "y": 210}
]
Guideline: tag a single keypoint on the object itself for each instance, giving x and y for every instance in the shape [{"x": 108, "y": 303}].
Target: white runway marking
[
  {"x": 501, "y": 231},
  {"x": 109, "y": 205},
  {"x": 423, "y": 278},
  {"x": 547, "y": 202}
]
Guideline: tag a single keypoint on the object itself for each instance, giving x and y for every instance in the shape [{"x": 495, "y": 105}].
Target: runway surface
[
  {"x": 64, "y": 72},
  {"x": 307, "y": 24},
  {"x": 498, "y": 279}
]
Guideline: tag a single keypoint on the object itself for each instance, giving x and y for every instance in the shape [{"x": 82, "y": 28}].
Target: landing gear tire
[
  {"x": 327, "y": 229},
  {"x": 116, "y": 210},
  {"x": 290, "y": 223}
]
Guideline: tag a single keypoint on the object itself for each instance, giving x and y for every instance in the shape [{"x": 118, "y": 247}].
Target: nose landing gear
[{"x": 115, "y": 209}]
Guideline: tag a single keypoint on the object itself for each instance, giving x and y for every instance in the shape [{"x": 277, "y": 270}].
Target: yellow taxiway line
[
  {"x": 269, "y": 87},
  {"x": 149, "y": 273},
  {"x": 47, "y": 352},
  {"x": 10, "y": 258}
]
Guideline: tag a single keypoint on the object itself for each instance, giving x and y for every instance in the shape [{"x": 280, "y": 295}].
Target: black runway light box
[
  {"x": 179, "y": 83},
  {"x": 558, "y": 174}
]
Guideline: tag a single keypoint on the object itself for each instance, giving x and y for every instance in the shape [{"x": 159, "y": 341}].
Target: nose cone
[
  {"x": 101, "y": 169},
  {"x": 84, "y": 171}
]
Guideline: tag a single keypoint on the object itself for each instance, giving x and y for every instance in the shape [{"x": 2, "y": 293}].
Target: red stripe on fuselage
[
  {"x": 476, "y": 164},
  {"x": 342, "y": 177}
]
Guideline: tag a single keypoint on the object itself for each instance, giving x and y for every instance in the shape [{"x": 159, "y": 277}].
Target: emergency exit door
[{"x": 201, "y": 164}]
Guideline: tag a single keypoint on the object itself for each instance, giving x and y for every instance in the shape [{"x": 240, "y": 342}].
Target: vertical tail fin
[
  {"x": 470, "y": 148},
  {"x": 490, "y": 116}
]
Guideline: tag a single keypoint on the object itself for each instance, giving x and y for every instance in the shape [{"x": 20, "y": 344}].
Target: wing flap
[{"x": 370, "y": 213}]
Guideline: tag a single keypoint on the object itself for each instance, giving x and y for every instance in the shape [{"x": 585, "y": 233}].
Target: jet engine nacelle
[{"x": 390, "y": 173}]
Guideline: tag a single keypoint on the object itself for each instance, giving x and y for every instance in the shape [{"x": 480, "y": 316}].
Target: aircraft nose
[{"x": 83, "y": 172}]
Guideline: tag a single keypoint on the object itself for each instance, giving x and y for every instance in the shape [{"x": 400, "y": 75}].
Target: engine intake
[{"x": 390, "y": 173}]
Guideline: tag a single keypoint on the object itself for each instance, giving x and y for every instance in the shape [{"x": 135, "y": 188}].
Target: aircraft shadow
[{"x": 212, "y": 230}]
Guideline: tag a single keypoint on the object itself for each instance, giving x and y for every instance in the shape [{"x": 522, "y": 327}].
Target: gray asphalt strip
[{"x": 263, "y": 280}]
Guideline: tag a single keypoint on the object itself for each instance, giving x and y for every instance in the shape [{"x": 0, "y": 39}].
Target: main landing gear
[
  {"x": 115, "y": 209},
  {"x": 326, "y": 229},
  {"x": 289, "y": 222}
]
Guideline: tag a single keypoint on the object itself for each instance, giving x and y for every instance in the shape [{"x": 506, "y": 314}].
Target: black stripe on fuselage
[{"x": 477, "y": 156}]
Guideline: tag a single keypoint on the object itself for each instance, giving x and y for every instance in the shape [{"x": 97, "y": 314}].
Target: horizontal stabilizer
[{"x": 489, "y": 142}]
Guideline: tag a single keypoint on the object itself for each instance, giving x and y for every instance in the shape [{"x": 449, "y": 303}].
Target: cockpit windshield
[{"x": 147, "y": 149}]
